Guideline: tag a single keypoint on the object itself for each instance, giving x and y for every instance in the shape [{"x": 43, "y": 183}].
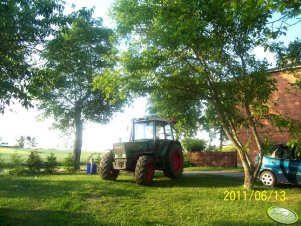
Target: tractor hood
[{"x": 132, "y": 149}]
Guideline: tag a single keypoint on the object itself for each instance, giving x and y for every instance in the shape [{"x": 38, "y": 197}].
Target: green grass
[
  {"x": 5, "y": 154},
  {"x": 86, "y": 200}
]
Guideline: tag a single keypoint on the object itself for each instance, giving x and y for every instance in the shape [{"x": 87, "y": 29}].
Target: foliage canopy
[
  {"x": 189, "y": 56},
  {"x": 80, "y": 52},
  {"x": 24, "y": 27}
]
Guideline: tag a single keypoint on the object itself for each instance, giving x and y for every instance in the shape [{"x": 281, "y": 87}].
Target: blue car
[{"x": 282, "y": 166}]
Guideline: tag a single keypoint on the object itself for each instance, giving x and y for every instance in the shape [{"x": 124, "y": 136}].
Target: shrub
[
  {"x": 97, "y": 159},
  {"x": 95, "y": 156},
  {"x": 212, "y": 148},
  {"x": 229, "y": 148},
  {"x": 69, "y": 163},
  {"x": 2, "y": 166},
  {"x": 16, "y": 163},
  {"x": 190, "y": 144},
  {"x": 51, "y": 163},
  {"x": 187, "y": 162},
  {"x": 34, "y": 162}
]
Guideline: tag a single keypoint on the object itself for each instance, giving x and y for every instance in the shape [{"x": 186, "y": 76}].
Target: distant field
[{"x": 5, "y": 154}]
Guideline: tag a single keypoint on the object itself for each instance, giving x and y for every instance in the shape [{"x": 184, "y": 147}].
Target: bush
[
  {"x": 68, "y": 163},
  {"x": 34, "y": 162},
  {"x": 212, "y": 148},
  {"x": 192, "y": 145},
  {"x": 2, "y": 165},
  {"x": 229, "y": 148},
  {"x": 95, "y": 156},
  {"x": 50, "y": 164},
  {"x": 16, "y": 163},
  {"x": 97, "y": 159},
  {"x": 187, "y": 162}
]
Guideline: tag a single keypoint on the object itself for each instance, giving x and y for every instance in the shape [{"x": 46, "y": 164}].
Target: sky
[{"x": 21, "y": 122}]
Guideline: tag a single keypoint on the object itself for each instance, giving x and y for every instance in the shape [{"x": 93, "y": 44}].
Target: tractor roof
[{"x": 152, "y": 117}]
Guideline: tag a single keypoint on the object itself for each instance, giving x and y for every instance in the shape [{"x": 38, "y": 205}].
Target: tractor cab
[
  {"x": 151, "y": 147},
  {"x": 151, "y": 128}
]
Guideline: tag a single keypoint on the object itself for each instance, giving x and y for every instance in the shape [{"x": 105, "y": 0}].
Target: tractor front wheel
[
  {"x": 174, "y": 162},
  {"x": 106, "y": 170},
  {"x": 145, "y": 169}
]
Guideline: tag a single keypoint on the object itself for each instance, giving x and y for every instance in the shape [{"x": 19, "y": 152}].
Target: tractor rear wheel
[
  {"x": 106, "y": 170},
  {"x": 174, "y": 162},
  {"x": 145, "y": 169}
]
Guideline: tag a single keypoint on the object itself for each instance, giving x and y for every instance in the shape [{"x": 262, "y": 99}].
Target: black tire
[
  {"x": 174, "y": 162},
  {"x": 145, "y": 170},
  {"x": 106, "y": 170},
  {"x": 268, "y": 178}
]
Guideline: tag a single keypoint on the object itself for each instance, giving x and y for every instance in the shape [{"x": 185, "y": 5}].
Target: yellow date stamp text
[{"x": 264, "y": 196}]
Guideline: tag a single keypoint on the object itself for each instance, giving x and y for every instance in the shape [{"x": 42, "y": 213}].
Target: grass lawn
[{"x": 86, "y": 200}]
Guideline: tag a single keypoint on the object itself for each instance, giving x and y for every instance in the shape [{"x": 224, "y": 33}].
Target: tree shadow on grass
[
  {"x": 19, "y": 187},
  {"x": 232, "y": 222},
  {"x": 287, "y": 186},
  {"x": 260, "y": 187},
  {"x": 205, "y": 181},
  {"x": 23, "y": 217}
]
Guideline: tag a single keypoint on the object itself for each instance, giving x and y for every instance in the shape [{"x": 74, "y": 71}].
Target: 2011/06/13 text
[{"x": 255, "y": 195}]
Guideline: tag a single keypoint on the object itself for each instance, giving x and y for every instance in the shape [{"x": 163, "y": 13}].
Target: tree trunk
[
  {"x": 221, "y": 138},
  {"x": 78, "y": 138},
  {"x": 249, "y": 181},
  {"x": 249, "y": 178}
]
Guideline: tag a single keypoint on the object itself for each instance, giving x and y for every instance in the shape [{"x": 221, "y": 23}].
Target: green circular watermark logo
[{"x": 282, "y": 215}]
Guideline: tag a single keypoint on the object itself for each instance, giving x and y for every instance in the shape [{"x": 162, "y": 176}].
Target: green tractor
[{"x": 152, "y": 146}]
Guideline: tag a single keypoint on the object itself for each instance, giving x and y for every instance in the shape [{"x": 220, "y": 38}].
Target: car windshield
[
  {"x": 285, "y": 152},
  {"x": 144, "y": 130}
]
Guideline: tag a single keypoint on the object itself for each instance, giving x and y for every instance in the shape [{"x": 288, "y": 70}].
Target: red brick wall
[
  {"x": 286, "y": 101},
  {"x": 222, "y": 159}
]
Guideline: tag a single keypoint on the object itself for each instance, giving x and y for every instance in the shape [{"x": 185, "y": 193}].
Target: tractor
[{"x": 151, "y": 147}]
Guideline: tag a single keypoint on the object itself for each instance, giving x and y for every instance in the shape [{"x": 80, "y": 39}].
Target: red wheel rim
[
  {"x": 111, "y": 172},
  {"x": 150, "y": 171},
  {"x": 177, "y": 161}
]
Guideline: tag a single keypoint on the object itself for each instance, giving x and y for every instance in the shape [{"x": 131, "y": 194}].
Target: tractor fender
[
  {"x": 165, "y": 150},
  {"x": 172, "y": 142}
]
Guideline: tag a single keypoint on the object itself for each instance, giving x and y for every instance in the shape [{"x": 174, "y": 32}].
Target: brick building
[{"x": 286, "y": 101}]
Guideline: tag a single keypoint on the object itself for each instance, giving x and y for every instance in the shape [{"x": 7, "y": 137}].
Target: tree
[
  {"x": 31, "y": 141},
  {"x": 21, "y": 142},
  {"x": 201, "y": 53},
  {"x": 78, "y": 53},
  {"x": 24, "y": 26},
  {"x": 289, "y": 59},
  {"x": 191, "y": 116}
]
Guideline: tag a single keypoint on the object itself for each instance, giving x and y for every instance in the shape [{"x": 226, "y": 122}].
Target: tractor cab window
[
  {"x": 168, "y": 132},
  {"x": 143, "y": 130},
  {"x": 163, "y": 131}
]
